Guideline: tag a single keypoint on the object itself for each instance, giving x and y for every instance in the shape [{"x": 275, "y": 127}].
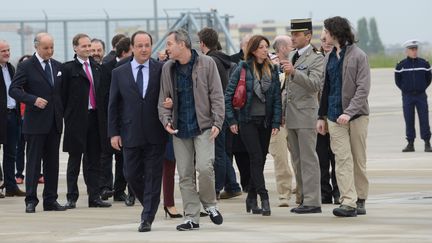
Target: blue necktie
[
  {"x": 140, "y": 80},
  {"x": 48, "y": 72}
]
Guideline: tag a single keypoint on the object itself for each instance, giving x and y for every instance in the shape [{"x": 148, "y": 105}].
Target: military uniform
[
  {"x": 412, "y": 77},
  {"x": 301, "y": 114}
]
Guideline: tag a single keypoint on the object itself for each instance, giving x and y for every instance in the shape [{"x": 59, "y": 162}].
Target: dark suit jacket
[
  {"x": 135, "y": 119},
  {"x": 75, "y": 97},
  {"x": 3, "y": 103},
  {"x": 105, "y": 84},
  {"x": 29, "y": 83}
]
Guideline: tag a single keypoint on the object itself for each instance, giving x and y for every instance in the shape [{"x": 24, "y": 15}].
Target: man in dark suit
[
  {"x": 37, "y": 84},
  {"x": 123, "y": 51},
  {"x": 134, "y": 126},
  {"x": 112, "y": 54},
  {"x": 80, "y": 97},
  {"x": 9, "y": 122}
]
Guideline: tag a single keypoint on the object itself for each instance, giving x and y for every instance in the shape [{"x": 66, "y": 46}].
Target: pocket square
[{"x": 59, "y": 74}]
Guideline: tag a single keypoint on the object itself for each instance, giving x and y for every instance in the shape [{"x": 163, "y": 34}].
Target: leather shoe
[
  {"x": 1, "y": 195},
  {"x": 228, "y": 195},
  {"x": 55, "y": 206},
  {"x": 130, "y": 200},
  {"x": 106, "y": 193},
  {"x": 70, "y": 204},
  {"x": 306, "y": 209},
  {"x": 30, "y": 208},
  {"x": 98, "y": 203},
  {"x": 17, "y": 192},
  {"x": 144, "y": 226},
  {"x": 345, "y": 211}
]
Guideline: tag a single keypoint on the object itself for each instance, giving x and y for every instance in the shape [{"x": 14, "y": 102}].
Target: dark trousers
[
  {"x": 9, "y": 150},
  {"x": 327, "y": 158},
  {"x": 235, "y": 149},
  {"x": 410, "y": 103},
  {"x": 91, "y": 164},
  {"x": 42, "y": 147},
  {"x": 168, "y": 182},
  {"x": 107, "y": 175},
  {"x": 143, "y": 171},
  {"x": 256, "y": 138},
  {"x": 20, "y": 154},
  {"x": 224, "y": 172}
]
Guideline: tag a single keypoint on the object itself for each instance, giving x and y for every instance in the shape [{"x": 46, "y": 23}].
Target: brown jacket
[
  {"x": 207, "y": 90},
  {"x": 356, "y": 81}
]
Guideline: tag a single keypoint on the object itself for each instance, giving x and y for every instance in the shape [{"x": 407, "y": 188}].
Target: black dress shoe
[
  {"x": 145, "y": 226},
  {"x": 106, "y": 193},
  {"x": 70, "y": 204},
  {"x": 17, "y": 193},
  {"x": 306, "y": 209},
  {"x": 130, "y": 200},
  {"x": 55, "y": 206},
  {"x": 98, "y": 203},
  {"x": 30, "y": 208}
]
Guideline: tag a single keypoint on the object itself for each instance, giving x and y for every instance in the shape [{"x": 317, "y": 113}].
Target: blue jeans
[
  {"x": 224, "y": 171},
  {"x": 9, "y": 151}
]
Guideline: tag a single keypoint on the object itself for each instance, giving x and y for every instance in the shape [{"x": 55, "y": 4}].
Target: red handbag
[{"x": 239, "y": 98}]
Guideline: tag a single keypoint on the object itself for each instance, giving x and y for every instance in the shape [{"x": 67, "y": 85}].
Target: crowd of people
[{"x": 178, "y": 111}]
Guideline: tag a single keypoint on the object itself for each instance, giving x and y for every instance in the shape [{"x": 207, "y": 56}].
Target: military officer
[
  {"x": 413, "y": 76},
  {"x": 304, "y": 69}
]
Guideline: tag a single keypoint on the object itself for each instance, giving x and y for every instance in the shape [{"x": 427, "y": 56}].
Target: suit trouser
[
  {"x": 279, "y": 150},
  {"x": 256, "y": 138},
  {"x": 198, "y": 154},
  {"x": 107, "y": 175},
  {"x": 42, "y": 147},
  {"x": 419, "y": 102},
  {"x": 143, "y": 171},
  {"x": 348, "y": 143},
  {"x": 302, "y": 142},
  {"x": 91, "y": 164},
  {"x": 327, "y": 163},
  {"x": 9, "y": 151}
]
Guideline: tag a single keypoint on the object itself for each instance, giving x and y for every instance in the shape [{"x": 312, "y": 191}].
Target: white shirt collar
[
  {"x": 82, "y": 61},
  {"x": 41, "y": 60},
  {"x": 302, "y": 50},
  {"x": 135, "y": 64}
]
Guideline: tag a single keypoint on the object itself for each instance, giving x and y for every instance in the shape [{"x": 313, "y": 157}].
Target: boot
[
  {"x": 428, "y": 147},
  {"x": 361, "y": 209},
  {"x": 265, "y": 205},
  {"x": 409, "y": 147},
  {"x": 252, "y": 204}
]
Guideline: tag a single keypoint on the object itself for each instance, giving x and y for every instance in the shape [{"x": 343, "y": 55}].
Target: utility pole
[{"x": 156, "y": 20}]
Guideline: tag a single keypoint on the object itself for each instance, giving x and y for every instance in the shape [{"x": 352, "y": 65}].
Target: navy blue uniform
[{"x": 413, "y": 76}]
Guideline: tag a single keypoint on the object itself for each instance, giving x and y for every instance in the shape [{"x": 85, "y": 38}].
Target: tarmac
[{"x": 399, "y": 207}]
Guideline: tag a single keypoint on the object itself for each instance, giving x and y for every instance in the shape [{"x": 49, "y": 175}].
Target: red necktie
[{"x": 91, "y": 92}]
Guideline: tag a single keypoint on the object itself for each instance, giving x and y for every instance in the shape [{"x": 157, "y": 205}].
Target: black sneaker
[
  {"x": 345, "y": 211},
  {"x": 187, "y": 225},
  {"x": 215, "y": 215}
]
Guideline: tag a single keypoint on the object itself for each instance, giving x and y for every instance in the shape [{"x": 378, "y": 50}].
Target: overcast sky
[{"x": 397, "y": 20}]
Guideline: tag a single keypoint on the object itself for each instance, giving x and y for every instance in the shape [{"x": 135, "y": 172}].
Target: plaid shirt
[
  {"x": 334, "y": 76},
  {"x": 187, "y": 122}
]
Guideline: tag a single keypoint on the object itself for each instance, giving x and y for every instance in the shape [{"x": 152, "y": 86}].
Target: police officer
[
  {"x": 304, "y": 69},
  {"x": 413, "y": 76}
]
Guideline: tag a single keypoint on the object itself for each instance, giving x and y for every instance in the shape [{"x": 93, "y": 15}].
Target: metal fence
[{"x": 20, "y": 33}]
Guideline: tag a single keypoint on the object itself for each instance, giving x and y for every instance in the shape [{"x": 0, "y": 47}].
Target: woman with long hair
[{"x": 259, "y": 118}]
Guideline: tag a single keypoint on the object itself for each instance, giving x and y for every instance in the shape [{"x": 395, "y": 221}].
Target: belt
[
  {"x": 92, "y": 110},
  {"x": 11, "y": 110}
]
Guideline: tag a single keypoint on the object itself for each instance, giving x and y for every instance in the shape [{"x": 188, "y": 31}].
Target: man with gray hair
[
  {"x": 278, "y": 144},
  {"x": 191, "y": 84},
  {"x": 37, "y": 84}
]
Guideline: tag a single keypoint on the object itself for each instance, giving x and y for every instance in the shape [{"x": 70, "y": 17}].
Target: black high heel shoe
[
  {"x": 170, "y": 214},
  {"x": 252, "y": 205}
]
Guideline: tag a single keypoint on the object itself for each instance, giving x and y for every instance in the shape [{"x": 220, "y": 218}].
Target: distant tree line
[{"x": 368, "y": 36}]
